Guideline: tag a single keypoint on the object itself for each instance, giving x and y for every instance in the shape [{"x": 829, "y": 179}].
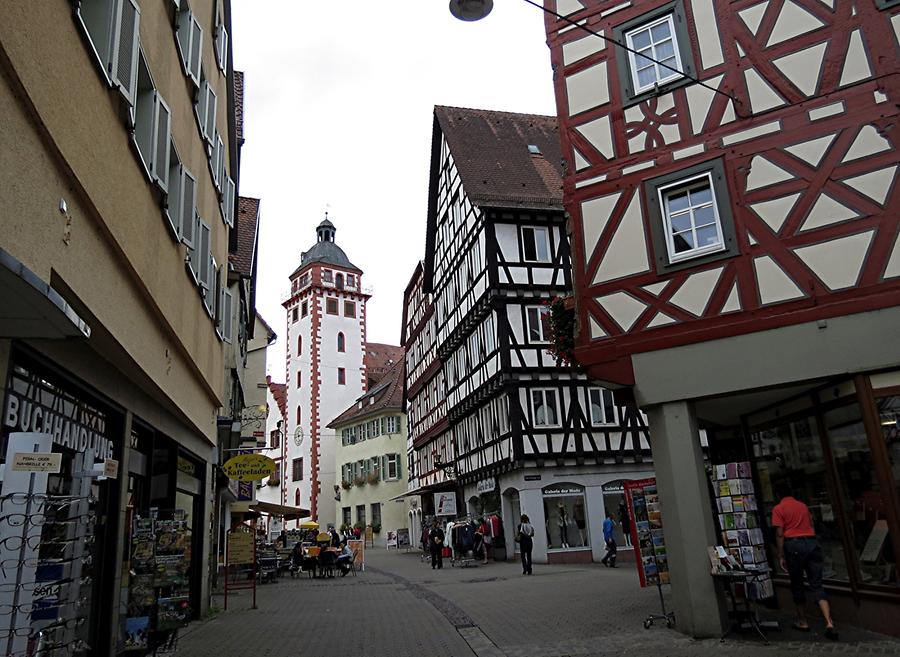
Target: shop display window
[
  {"x": 565, "y": 517},
  {"x": 792, "y": 452},
  {"x": 614, "y": 503}
]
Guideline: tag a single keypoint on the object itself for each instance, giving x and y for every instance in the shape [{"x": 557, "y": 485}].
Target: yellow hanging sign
[{"x": 249, "y": 467}]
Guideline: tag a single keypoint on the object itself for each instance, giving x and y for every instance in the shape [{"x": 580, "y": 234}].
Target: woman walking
[{"x": 525, "y": 538}]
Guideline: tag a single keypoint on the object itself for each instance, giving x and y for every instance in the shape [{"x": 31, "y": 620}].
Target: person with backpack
[
  {"x": 525, "y": 539},
  {"x": 609, "y": 537}
]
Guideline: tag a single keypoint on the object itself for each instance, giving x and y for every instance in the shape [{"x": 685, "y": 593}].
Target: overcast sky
[{"x": 338, "y": 107}]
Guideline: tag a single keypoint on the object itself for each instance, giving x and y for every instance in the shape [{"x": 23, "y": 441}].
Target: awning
[
  {"x": 288, "y": 512},
  {"x": 30, "y": 308}
]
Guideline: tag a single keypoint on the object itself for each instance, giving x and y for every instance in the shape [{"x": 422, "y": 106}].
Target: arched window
[
  {"x": 298, "y": 415},
  {"x": 299, "y": 344},
  {"x": 341, "y": 342},
  {"x": 339, "y": 281},
  {"x": 297, "y": 497}
]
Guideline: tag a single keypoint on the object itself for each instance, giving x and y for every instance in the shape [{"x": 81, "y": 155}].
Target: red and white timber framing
[{"x": 810, "y": 157}]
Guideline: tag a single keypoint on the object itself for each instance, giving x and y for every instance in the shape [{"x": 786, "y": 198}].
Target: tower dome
[{"x": 325, "y": 251}]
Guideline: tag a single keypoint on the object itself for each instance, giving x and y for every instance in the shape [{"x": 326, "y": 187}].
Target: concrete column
[{"x": 687, "y": 518}]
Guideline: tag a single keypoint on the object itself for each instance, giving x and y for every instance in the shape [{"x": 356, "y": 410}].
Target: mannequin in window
[
  {"x": 578, "y": 517},
  {"x": 562, "y": 520}
]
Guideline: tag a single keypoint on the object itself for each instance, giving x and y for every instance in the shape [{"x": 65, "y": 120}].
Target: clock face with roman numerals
[{"x": 298, "y": 436}]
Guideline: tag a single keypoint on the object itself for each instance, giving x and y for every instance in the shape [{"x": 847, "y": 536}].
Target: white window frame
[
  {"x": 392, "y": 460},
  {"x": 188, "y": 208},
  {"x": 204, "y": 237},
  {"x": 536, "y": 230},
  {"x": 228, "y": 202},
  {"x": 529, "y": 316},
  {"x": 543, "y": 393},
  {"x": 174, "y": 198},
  {"x": 113, "y": 30},
  {"x": 222, "y": 47},
  {"x": 217, "y": 162},
  {"x": 189, "y": 37},
  {"x": 663, "y": 75},
  {"x": 676, "y": 186},
  {"x": 392, "y": 425},
  {"x": 603, "y": 396}
]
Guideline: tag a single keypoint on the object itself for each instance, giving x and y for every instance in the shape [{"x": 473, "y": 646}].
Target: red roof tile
[
  {"x": 387, "y": 396},
  {"x": 380, "y": 358},
  {"x": 490, "y": 150},
  {"x": 247, "y": 226}
]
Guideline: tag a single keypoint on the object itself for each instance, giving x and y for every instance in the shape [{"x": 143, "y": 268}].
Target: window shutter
[
  {"x": 227, "y": 319},
  {"x": 218, "y": 300},
  {"x": 161, "y": 137},
  {"x": 194, "y": 254},
  {"x": 123, "y": 67},
  {"x": 203, "y": 255},
  {"x": 183, "y": 38},
  {"x": 222, "y": 47},
  {"x": 218, "y": 154},
  {"x": 174, "y": 197},
  {"x": 228, "y": 200},
  {"x": 196, "y": 51},
  {"x": 188, "y": 203},
  {"x": 200, "y": 107},
  {"x": 210, "y": 113}
]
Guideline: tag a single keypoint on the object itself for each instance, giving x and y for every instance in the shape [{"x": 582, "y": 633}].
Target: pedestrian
[
  {"x": 609, "y": 537},
  {"x": 525, "y": 539},
  {"x": 436, "y": 545},
  {"x": 799, "y": 552}
]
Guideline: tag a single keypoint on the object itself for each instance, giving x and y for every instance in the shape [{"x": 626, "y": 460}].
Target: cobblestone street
[{"x": 402, "y": 608}]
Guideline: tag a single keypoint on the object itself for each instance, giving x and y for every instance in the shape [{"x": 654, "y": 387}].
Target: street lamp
[{"x": 471, "y": 10}]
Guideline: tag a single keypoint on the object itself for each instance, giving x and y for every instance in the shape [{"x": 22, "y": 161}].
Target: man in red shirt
[{"x": 799, "y": 552}]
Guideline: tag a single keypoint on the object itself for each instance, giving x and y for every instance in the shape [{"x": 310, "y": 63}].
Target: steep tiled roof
[
  {"x": 387, "y": 396},
  {"x": 279, "y": 392},
  {"x": 247, "y": 225},
  {"x": 491, "y": 152},
  {"x": 380, "y": 358},
  {"x": 239, "y": 105}
]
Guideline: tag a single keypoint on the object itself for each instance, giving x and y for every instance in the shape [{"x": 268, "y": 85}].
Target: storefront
[
  {"x": 104, "y": 547},
  {"x": 838, "y": 446},
  {"x": 59, "y": 525}
]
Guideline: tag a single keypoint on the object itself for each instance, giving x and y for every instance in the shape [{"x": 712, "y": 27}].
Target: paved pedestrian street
[{"x": 400, "y": 607}]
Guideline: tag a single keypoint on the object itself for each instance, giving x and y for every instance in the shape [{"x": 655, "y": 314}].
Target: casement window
[
  {"x": 331, "y": 306},
  {"x": 538, "y": 318},
  {"x": 341, "y": 376},
  {"x": 660, "y": 43},
  {"x": 535, "y": 244},
  {"x": 339, "y": 280},
  {"x": 361, "y": 514},
  {"x": 304, "y": 309},
  {"x": 297, "y": 470},
  {"x": 222, "y": 47},
  {"x": 211, "y": 293},
  {"x": 189, "y": 36},
  {"x": 690, "y": 216},
  {"x": 392, "y": 424},
  {"x": 298, "y": 415},
  {"x": 341, "y": 342},
  {"x": 299, "y": 379},
  {"x": 294, "y": 315},
  {"x": 152, "y": 122},
  {"x": 392, "y": 467},
  {"x": 228, "y": 202},
  {"x": 349, "y": 309},
  {"x": 351, "y": 280},
  {"x": 227, "y": 318},
  {"x": 113, "y": 29},
  {"x": 603, "y": 408},
  {"x": 545, "y": 407},
  {"x": 327, "y": 275},
  {"x": 299, "y": 343},
  {"x": 297, "y": 497},
  {"x": 348, "y": 520},
  {"x": 375, "y": 426},
  {"x": 217, "y": 161},
  {"x": 173, "y": 209}
]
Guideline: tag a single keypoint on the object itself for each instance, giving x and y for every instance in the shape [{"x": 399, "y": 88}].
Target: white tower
[{"x": 325, "y": 368}]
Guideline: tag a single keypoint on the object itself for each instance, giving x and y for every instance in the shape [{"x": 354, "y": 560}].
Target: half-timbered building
[
  {"x": 526, "y": 434},
  {"x": 731, "y": 179}
]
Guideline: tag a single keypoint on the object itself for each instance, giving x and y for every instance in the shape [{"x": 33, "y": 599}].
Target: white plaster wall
[{"x": 299, "y": 397}]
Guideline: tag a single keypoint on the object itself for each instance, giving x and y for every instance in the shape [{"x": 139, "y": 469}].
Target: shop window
[
  {"x": 538, "y": 318},
  {"x": 376, "y": 514},
  {"x": 349, "y": 309},
  {"x": 331, "y": 306},
  {"x": 535, "y": 244},
  {"x": 342, "y": 376},
  {"x": 603, "y": 408},
  {"x": 545, "y": 407},
  {"x": 565, "y": 514},
  {"x": 341, "y": 346},
  {"x": 297, "y": 470},
  {"x": 614, "y": 504},
  {"x": 792, "y": 453},
  {"x": 659, "y": 35},
  {"x": 690, "y": 217}
]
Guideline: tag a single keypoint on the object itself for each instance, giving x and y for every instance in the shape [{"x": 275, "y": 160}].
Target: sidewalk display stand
[
  {"x": 240, "y": 560},
  {"x": 648, "y": 539},
  {"x": 359, "y": 553}
]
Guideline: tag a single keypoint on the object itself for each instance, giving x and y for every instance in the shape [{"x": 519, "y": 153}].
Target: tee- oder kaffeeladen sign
[{"x": 249, "y": 467}]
